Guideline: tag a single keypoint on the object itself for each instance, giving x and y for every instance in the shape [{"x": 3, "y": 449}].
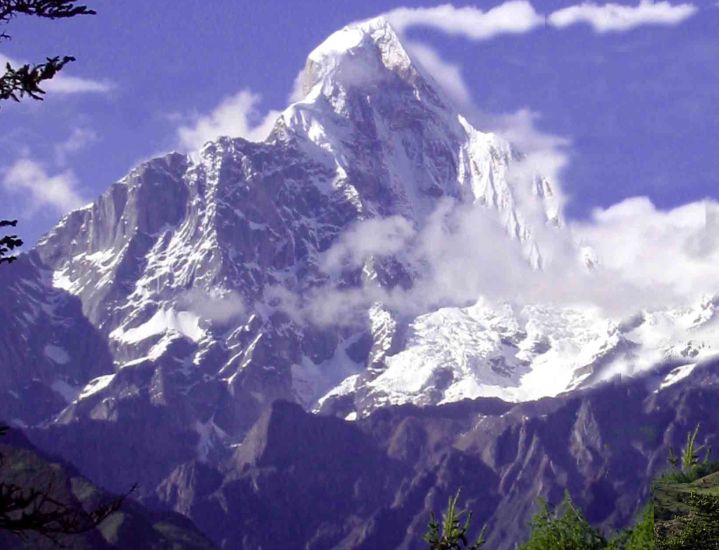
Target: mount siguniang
[{"x": 279, "y": 339}]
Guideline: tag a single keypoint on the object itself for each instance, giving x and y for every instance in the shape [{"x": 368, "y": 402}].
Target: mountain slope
[{"x": 304, "y": 481}]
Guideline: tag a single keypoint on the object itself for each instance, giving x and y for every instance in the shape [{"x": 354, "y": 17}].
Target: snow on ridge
[
  {"x": 525, "y": 353},
  {"x": 676, "y": 375},
  {"x": 364, "y": 38},
  {"x": 95, "y": 385}
]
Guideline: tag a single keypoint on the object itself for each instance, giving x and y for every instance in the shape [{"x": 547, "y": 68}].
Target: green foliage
[
  {"x": 688, "y": 468},
  {"x": 563, "y": 528},
  {"x": 697, "y": 529},
  {"x": 639, "y": 537},
  {"x": 26, "y": 80},
  {"x": 690, "y": 452},
  {"x": 452, "y": 534},
  {"x": 692, "y": 474}
]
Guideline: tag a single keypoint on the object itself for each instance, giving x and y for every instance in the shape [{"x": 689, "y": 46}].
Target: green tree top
[{"x": 452, "y": 533}]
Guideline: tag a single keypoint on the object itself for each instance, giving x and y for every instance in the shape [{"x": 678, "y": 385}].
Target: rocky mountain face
[
  {"x": 306, "y": 481},
  {"x": 150, "y": 334}
]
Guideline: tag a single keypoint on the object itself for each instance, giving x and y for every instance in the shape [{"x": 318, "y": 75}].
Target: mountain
[
  {"x": 193, "y": 265},
  {"x": 307, "y": 481},
  {"x": 367, "y": 256}
]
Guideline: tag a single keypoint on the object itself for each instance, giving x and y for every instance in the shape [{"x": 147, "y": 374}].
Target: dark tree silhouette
[
  {"x": 16, "y": 83},
  {"x": 8, "y": 243},
  {"x": 26, "y": 510}
]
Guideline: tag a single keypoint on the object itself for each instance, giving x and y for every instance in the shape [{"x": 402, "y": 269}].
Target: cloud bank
[
  {"x": 216, "y": 306},
  {"x": 65, "y": 85},
  {"x": 79, "y": 139},
  {"x": 542, "y": 153},
  {"x": 674, "y": 251},
  {"x": 447, "y": 75},
  {"x": 648, "y": 258}
]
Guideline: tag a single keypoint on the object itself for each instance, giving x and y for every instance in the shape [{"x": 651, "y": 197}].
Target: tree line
[{"x": 683, "y": 514}]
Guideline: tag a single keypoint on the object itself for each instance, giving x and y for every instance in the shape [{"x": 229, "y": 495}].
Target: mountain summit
[{"x": 358, "y": 52}]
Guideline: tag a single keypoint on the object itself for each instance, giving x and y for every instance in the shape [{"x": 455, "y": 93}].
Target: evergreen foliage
[
  {"x": 690, "y": 452},
  {"x": 563, "y": 528},
  {"x": 699, "y": 528},
  {"x": 639, "y": 537},
  {"x": 452, "y": 534},
  {"x": 688, "y": 467}
]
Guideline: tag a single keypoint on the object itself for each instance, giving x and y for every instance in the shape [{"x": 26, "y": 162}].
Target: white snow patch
[
  {"x": 347, "y": 386},
  {"x": 95, "y": 385},
  {"x": 61, "y": 280},
  {"x": 679, "y": 373},
  {"x": 185, "y": 323}
]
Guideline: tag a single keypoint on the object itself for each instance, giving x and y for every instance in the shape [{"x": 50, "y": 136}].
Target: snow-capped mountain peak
[
  {"x": 358, "y": 53},
  {"x": 309, "y": 267}
]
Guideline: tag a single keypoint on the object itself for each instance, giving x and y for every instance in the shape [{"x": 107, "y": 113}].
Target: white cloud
[
  {"x": 543, "y": 153},
  {"x": 648, "y": 258},
  {"x": 235, "y": 116},
  {"x": 519, "y": 16},
  {"x": 460, "y": 253},
  {"x": 212, "y": 305},
  {"x": 298, "y": 91},
  {"x": 675, "y": 253},
  {"x": 29, "y": 178},
  {"x": 78, "y": 139},
  {"x": 513, "y": 17},
  {"x": 372, "y": 237},
  {"x": 447, "y": 75},
  {"x": 63, "y": 83},
  {"x": 618, "y": 18}
]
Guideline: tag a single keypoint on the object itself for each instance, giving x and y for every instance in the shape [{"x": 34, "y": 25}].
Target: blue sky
[{"x": 628, "y": 101}]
